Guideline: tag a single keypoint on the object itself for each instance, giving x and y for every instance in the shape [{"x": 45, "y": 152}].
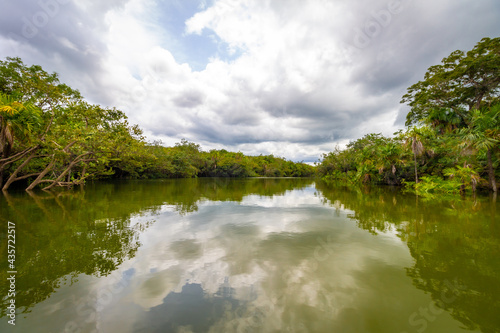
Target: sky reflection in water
[{"x": 262, "y": 255}]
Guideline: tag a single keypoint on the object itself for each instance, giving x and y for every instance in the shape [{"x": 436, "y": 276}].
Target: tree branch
[
  {"x": 13, "y": 176},
  {"x": 70, "y": 166},
  {"x": 42, "y": 174},
  {"x": 18, "y": 156}
]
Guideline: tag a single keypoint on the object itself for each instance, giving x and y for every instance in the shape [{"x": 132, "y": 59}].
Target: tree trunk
[
  {"x": 415, "y": 160},
  {"x": 66, "y": 171},
  {"x": 491, "y": 172},
  {"x": 38, "y": 179},
  {"x": 13, "y": 176}
]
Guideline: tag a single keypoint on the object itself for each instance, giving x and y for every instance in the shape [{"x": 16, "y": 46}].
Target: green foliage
[
  {"x": 483, "y": 133},
  {"x": 430, "y": 185},
  {"x": 373, "y": 158},
  {"x": 187, "y": 160},
  {"x": 17, "y": 122},
  {"x": 462, "y": 82}
]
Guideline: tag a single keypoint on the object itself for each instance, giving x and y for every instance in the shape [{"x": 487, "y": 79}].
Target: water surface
[{"x": 253, "y": 255}]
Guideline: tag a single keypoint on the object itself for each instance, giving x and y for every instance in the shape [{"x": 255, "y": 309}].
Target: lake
[{"x": 249, "y": 255}]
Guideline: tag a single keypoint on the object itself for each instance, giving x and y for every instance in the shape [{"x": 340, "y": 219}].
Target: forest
[
  {"x": 51, "y": 137},
  {"x": 452, "y": 135}
]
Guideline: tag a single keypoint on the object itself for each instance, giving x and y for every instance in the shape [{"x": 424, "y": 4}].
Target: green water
[{"x": 253, "y": 255}]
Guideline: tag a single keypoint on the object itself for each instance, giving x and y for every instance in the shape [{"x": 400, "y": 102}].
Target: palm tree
[
  {"x": 17, "y": 121},
  {"x": 483, "y": 134},
  {"x": 414, "y": 137},
  {"x": 388, "y": 156}
]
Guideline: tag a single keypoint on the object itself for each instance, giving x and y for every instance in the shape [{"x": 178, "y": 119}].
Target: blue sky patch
[{"x": 195, "y": 50}]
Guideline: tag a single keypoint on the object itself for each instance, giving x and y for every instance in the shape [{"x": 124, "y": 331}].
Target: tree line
[
  {"x": 451, "y": 142},
  {"x": 51, "y": 137}
]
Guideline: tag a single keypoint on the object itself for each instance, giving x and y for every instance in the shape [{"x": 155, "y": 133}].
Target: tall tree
[
  {"x": 29, "y": 95},
  {"x": 461, "y": 83},
  {"x": 414, "y": 140}
]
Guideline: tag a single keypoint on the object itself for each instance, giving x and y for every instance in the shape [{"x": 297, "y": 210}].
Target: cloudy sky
[{"x": 289, "y": 77}]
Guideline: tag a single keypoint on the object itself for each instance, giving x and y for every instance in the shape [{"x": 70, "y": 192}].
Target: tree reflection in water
[{"x": 455, "y": 243}]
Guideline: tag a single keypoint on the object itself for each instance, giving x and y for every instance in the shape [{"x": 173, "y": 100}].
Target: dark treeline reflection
[
  {"x": 185, "y": 194},
  {"x": 90, "y": 230},
  {"x": 59, "y": 236},
  {"x": 455, "y": 244}
]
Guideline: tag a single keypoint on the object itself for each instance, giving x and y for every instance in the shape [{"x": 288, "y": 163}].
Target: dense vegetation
[
  {"x": 451, "y": 143},
  {"x": 50, "y": 136}
]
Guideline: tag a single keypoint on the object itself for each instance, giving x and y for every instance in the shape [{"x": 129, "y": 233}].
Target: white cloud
[{"x": 256, "y": 98}]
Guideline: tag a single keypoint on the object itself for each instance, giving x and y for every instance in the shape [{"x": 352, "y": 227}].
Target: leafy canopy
[{"x": 449, "y": 91}]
